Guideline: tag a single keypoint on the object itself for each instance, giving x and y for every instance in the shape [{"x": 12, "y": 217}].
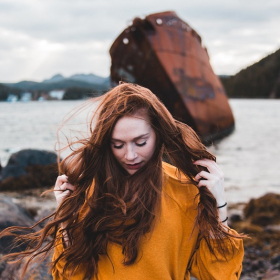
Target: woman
[{"x": 124, "y": 214}]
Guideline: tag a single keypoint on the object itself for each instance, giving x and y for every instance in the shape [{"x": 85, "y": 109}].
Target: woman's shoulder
[
  {"x": 174, "y": 173},
  {"x": 176, "y": 178}
]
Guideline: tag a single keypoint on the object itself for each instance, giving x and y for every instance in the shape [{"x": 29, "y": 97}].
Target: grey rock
[
  {"x": 275, "y": 259},
  {"x": 272, "y": 275},
  {"x": 12, "y": 215},
  {"x": 34, "y": 271},
  {"x": 235, "y": 218},
  {"x": 18, "y": 162}
]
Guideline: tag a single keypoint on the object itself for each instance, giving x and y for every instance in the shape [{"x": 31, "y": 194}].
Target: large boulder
[
  {"x": 261, "y": 222},
  {"x": 264, "y": 211},
  {"x": 18, "y": 162},
  {"x": 35, "y": 271},
  {"x": 29, "y": 169},
  {"x": 14, "y": 215}
]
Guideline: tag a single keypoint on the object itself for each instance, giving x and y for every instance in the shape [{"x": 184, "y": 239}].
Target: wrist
[
  {"x": 63, "y": 225},
  {"x": 221, "y": 205},
  {"x": 223, "y": 221}
]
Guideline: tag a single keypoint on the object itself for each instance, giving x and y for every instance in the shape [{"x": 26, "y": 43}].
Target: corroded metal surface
[{"x": 164, "y": 54}]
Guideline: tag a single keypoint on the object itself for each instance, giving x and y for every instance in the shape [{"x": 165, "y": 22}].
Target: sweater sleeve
[
  {"x": 57, "y": 271},
  {"x": 205, "y": 265}
]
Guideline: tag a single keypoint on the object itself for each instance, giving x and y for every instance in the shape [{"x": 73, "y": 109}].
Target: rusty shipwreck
[{"x": 164, "y": 54}]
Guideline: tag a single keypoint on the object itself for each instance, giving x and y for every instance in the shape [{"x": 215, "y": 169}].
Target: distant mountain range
[
  {"x": 260, "y": 80},
  {"x": 85, "y": 81},
  {"x": 88, "y": 78}
]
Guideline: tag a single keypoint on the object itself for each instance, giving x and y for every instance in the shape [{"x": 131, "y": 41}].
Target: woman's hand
[
  {"x": 62, "y": 189},
  {"x": 213, "y": 180}
]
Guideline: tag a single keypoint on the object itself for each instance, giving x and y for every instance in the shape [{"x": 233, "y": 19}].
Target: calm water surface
[{"x": 249, "y": 158}]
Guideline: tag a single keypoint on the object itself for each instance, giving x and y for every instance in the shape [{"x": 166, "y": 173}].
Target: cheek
[
  {"x": 117, "y": 153},
  {"x": 150, "y": 149}
]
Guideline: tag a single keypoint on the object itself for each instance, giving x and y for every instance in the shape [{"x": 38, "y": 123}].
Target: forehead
[{"x": 131, "y": 126}]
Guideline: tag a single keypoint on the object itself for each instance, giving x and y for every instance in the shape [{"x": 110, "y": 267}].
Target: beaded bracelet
[
  {"x": 225, "y": 220},
  {"x": 222, "y": 205}
]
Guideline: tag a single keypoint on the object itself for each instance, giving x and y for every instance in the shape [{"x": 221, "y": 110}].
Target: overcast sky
[{"x": 39, "y": 39}]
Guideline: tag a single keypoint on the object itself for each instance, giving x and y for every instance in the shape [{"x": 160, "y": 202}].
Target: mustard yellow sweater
[{"x": 170, "y": 251}]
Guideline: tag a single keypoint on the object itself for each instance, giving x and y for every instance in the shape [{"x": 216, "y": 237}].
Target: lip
[{"x": 134, "y": 166}]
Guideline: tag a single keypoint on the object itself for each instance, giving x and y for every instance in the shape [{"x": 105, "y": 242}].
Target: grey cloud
[
  {"x": 77, "y": 24},
  {"x": 62, "y": 26},
  {"x": 71, "y": 21}
]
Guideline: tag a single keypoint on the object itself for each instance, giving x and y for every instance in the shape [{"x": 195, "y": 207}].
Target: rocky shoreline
[
  {"x": 259, "y": 220},
  {"x": 27, "y": 175},
  {"x": 23, "y": 206}
]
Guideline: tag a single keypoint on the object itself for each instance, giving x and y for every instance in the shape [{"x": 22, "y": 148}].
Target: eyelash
[
  {"x": 139, "y": 145},
  {"x": 118, "y": 147},
  {"x": 142, "y": 144}
]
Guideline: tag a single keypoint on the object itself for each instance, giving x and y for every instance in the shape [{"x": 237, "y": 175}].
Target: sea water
[{"x": 249, "y": 157}]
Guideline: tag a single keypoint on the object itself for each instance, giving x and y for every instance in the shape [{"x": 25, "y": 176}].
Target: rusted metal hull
[{"x": 164, "y": 54}]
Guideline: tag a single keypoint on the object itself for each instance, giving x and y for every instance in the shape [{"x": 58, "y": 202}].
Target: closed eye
[
  {"x": 118, "y": 146},
  {"x": 141, "y": 144}
]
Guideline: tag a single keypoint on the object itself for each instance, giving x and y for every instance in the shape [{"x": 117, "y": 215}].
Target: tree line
[{"x": 260, "y": 80}]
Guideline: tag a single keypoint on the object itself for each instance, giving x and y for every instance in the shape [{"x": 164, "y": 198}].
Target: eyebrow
[{"x": 135, "y": 138}]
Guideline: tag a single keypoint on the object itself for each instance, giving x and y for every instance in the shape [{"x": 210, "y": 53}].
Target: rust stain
[{"x": 164, "y": 54}]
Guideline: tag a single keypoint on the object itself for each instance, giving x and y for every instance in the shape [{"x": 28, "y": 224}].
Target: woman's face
[{"x": 133, "y": 141}]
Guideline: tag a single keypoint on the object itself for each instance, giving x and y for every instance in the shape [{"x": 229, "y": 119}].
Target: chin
[{"x": 131, "y": 172}]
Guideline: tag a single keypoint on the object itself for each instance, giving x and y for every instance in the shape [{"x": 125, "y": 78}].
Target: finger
[
  {"x": 61, "y": 197},
  {"x": 204, "y": 161},
  {"x": 67, "y": 186},
  {"x": 214, "y": 163},
  {"x": 65, "y": 194},
  {"x": 64, "y": 187},
  {"x": 209, "y": 164},
  {"x": 204, "y": 183},
  {"x": 204, "y": 175},
  {"x": 60, "y": 181}
]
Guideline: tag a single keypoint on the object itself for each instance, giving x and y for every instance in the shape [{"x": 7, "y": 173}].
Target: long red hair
[{"x": 121, "y": 208}]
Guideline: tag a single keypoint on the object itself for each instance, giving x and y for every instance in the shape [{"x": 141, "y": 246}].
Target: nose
[{"x": 130, "y": 153}]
